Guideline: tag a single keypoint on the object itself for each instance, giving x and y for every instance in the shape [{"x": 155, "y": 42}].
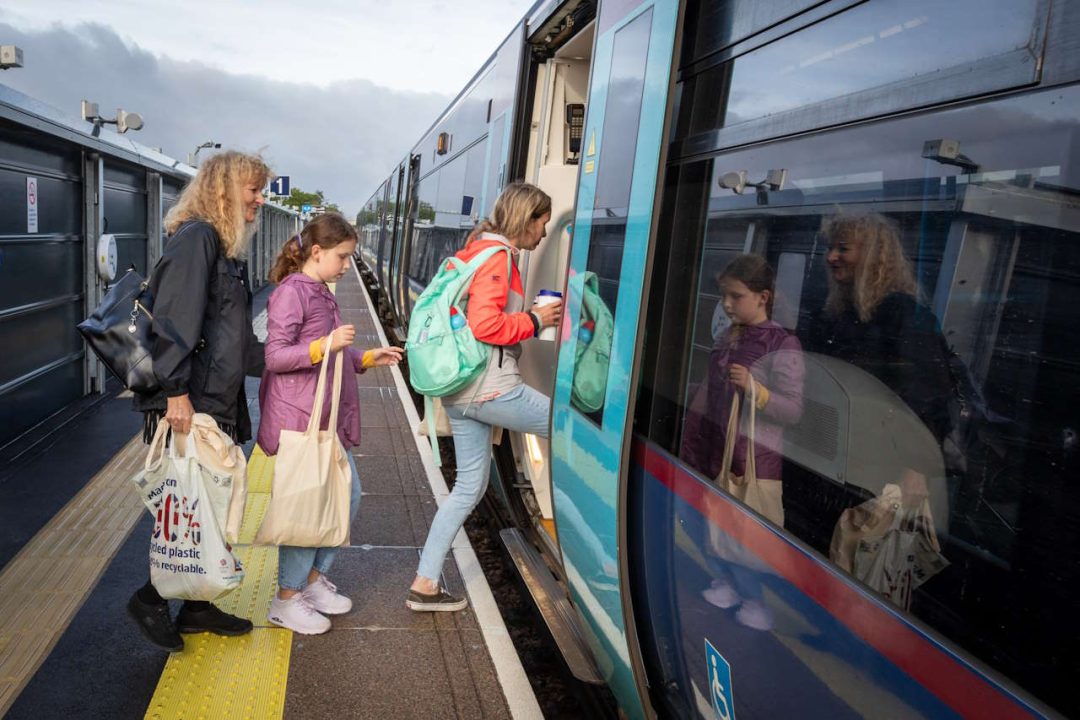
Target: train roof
[{"x": 25, "y": 110}]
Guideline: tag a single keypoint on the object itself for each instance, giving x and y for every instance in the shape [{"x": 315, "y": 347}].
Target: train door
[
  {"x": 553, "y": 156},
  {"x": 399, "y": 259},
  {"x": 621, "y": 149}
]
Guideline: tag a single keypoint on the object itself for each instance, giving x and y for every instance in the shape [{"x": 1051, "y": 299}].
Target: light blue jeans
[
  {"x": 295, "y": 563},
  {"x": 522, "y": 410}
]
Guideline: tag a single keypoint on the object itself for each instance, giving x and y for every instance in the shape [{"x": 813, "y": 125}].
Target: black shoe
[
  {"x": 210, "y": 619},
  {"x": 440, "y": 601},
  {"x": 155, "y": 623}
]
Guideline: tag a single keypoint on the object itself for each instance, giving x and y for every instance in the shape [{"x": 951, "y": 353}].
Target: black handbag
[{"x": 118, "y": 332}]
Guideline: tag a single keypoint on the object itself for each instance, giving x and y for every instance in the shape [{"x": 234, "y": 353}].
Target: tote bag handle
[
  {"x": 320, "y": 392},
  {"x": 732, "y": 437}
]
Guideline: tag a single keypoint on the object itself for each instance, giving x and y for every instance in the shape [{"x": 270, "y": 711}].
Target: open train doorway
[{"x": 560, "y": 67}]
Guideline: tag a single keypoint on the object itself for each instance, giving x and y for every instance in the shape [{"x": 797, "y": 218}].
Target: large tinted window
[
  {"x": 440, "y": 225},
  {"x": 873, "y": 58},
  {"x": 920, "y": 363}
]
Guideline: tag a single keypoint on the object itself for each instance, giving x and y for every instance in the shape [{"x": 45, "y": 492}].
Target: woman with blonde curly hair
[
  {"x": 873, "y": 319},
  {"x": 202, "y": 342}
]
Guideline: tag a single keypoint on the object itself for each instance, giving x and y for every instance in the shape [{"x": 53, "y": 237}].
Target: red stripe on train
[{"x": 955, "y": 683}]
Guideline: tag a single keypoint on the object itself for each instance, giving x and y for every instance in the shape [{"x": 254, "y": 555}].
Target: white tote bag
[
  {"x": 309, "y": 500},
  {"x": 764, "y": 496},
  {"x": 218, "y": 452},
  {"x": 189, "y": 558}
]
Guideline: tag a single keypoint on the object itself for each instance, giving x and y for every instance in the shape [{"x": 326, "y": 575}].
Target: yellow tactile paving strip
[
  {"x": 219, "y": 677},
  {"x": 43, "y": 586}
]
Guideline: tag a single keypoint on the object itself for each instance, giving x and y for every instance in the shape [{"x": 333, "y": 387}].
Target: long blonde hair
[
  {"x": 518, "y": 205},
  {"x": 215, "y": 195},
  {"x": 882, "y": 268}
]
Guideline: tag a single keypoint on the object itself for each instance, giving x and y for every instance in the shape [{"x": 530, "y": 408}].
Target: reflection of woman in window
[
  {"x": 873, "y": 321},
  {"x": 754, "y": 349}
]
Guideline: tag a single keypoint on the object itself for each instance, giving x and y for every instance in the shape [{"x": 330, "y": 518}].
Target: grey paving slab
[
  {"x": 377, "y": 580},
  {"x": 394, "y": 521},
  {"x": 379, "y": 475},
  {"x": 376, "y": 674}
]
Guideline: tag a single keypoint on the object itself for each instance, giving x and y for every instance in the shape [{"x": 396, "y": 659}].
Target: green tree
[{"x": 298, "y": 198}]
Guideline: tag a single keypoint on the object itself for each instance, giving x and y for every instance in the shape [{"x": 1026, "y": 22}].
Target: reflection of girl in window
[{"x": 754, "y": 349}]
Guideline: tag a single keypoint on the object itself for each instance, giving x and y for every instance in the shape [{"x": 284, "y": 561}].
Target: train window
[
  {"x": 877, "y": 56},
  {"x": 917, "y": 379},
  {"x": 611, "y": 206},
  {"x": 496, "y": 148},
  {"x": 424, "y": 244},
  {"x": 474, "y": 184}
]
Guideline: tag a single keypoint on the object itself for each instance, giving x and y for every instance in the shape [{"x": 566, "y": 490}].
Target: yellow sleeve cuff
[
  {"x": 369, "y": 360},
  {"x": 315, "y": 351},
  {"x": 762, "y": 396}
]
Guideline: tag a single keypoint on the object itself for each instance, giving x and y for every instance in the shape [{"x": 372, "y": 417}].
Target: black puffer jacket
[
  {"x": 203, "y": 344},
  {"x": 902, "y": 346}
]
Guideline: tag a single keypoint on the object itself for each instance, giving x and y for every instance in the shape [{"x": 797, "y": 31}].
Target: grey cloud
[{"x": 343, "y": 139}]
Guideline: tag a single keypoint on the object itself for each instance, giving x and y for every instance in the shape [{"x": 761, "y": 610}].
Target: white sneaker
[
  {"x": 754, "y": 615},
  {"x": 721, "y": 594},
  {"x": 297, "y": 615},
  {"x": 324, "y": 597}
]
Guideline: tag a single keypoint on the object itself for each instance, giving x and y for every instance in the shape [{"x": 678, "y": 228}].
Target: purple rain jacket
[
  {"x": 774, "y": 357},
  {"x": 299, "y": 311}
]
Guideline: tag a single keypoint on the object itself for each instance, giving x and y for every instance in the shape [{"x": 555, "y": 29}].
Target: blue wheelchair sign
[
  {"x": 305, "y": 208},
  {"x": 720, "y": 690}
]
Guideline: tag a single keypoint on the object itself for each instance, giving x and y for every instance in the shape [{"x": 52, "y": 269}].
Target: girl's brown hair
[
  {"x": 882, "y": 268},
  {"x": 215, "y": 195},
  {"x": 327, "y": 231},
  {"x": 755, "y": 273},
  {"x": 518, "y": 205}
]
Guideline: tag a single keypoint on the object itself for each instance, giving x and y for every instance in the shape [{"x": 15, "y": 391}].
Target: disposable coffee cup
[{"x": 546, "y": 297}]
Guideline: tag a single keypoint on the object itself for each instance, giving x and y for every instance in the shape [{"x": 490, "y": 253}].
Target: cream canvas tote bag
[{"x": 309, "y": 501}]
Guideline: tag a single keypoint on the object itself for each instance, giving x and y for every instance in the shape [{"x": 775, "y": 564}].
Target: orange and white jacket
[{"x": 495, "y": 311}]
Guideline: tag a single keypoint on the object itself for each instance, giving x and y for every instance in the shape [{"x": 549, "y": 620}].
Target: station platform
[{"x": 73, "y": 548}]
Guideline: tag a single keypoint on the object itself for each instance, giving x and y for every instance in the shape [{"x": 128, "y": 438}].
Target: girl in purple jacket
[
  {"x": 754, "y": 349},
  {"x": 301, "y": 314}
]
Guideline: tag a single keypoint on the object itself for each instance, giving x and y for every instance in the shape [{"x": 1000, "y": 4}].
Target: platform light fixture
[
  {"x": 193, "y": 157},
  {"x": 124, "y": 120}
]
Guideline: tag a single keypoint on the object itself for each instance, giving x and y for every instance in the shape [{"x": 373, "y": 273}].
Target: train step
[{"x": 555, "y": 607}]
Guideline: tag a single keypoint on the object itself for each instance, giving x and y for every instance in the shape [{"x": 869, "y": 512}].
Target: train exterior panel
[{"x": 676, "y": 136}]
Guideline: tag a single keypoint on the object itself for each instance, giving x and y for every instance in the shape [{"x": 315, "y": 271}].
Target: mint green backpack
[
  {"x": 593, "y": 356},
  {"x": 442, "y": 359}
]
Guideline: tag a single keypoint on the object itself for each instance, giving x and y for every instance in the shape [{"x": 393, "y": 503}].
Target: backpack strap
[{"x": 429, "y": 412}]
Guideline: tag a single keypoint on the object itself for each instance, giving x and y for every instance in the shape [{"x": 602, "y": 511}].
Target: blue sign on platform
[
  {"x": 280, "y": 185},
  {"x": 723, "y": 698},
  {"x": 305, "y": 208}
]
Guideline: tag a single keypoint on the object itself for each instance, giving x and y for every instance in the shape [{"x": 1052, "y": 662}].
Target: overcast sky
[{"x": 333, "y": 96}]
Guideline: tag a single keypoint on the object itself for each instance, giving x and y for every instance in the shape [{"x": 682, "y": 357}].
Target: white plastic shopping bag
[
  {"x": 892, "y": 549},
  {"x": 189, "y": 558}
]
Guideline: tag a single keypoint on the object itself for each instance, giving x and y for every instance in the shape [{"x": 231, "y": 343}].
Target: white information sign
[{"x": 31, "y": 205}]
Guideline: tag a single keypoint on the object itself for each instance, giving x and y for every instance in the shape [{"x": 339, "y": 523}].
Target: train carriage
[{"x": 676, "y": 135}]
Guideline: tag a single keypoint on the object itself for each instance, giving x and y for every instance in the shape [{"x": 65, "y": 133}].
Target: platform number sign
[
  {"x": 280, "y": 185},
  {"x": 720, "y": 690}
]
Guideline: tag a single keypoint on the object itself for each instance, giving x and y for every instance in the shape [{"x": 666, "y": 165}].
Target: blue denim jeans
[
  {"x": 295, "y": 563},
  {"x": 522, "y": 410}
]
